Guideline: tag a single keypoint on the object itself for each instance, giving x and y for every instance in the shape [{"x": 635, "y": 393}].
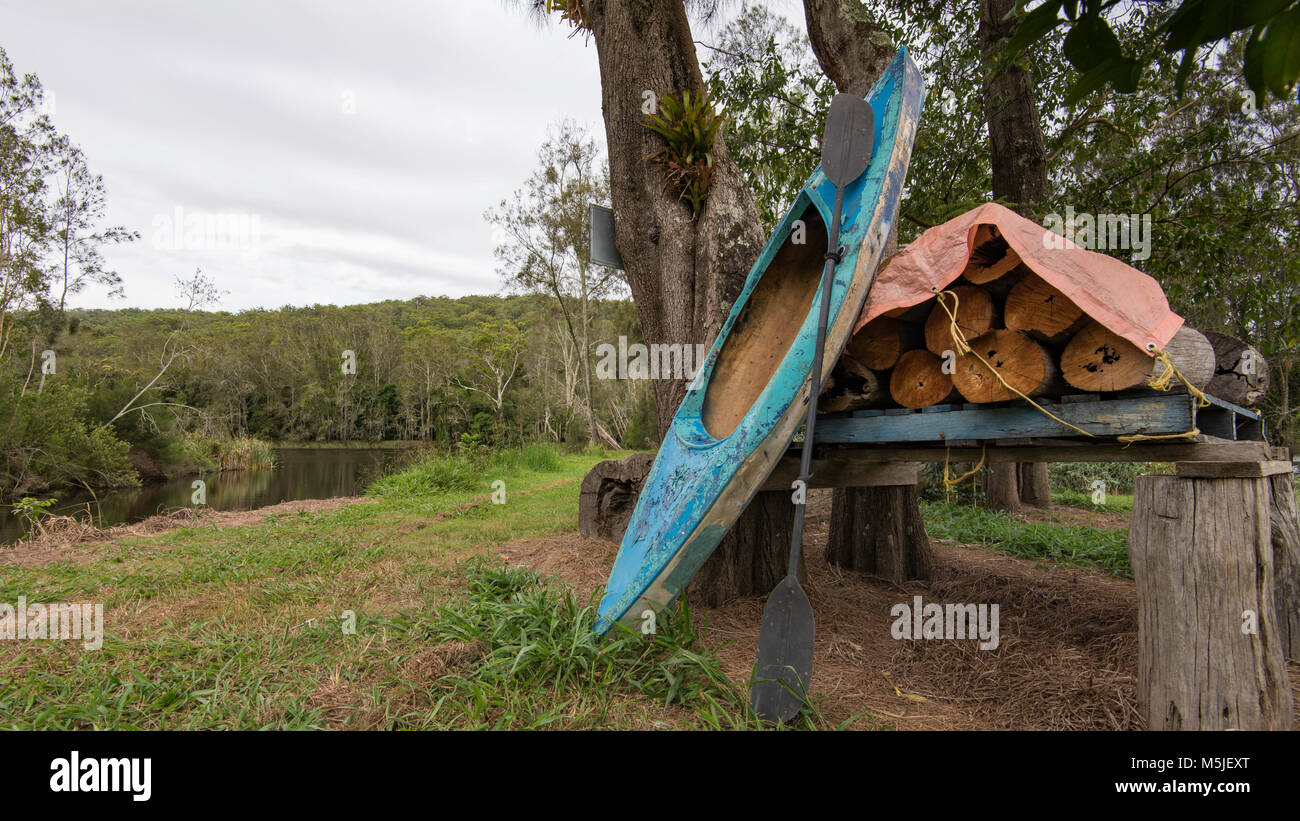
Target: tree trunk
[
  {"x": 1035, "y": 489},
  {"x": 851, "y": 47},
  {"x": 1017, "y": 152},
  {"x": 684, "y": 273},
  {"x": 752, "y": 558},
  {"x": 880, "y": 532},
  {"x": 1018, "y": 158},
  {"x": 853, "y": 50},
  {"x": 1002, "y": 487}
]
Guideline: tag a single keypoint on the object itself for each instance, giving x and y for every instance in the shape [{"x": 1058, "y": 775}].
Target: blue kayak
[{"x": 749, "y": 397}]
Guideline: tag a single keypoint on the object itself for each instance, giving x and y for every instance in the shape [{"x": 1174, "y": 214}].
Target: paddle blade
[
  {"x": 785, "y": 654},
  {"x": 849, "y": 140}
]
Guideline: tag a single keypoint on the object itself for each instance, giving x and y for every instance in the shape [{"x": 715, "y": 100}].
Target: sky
[{"x": 303, "y": 152}]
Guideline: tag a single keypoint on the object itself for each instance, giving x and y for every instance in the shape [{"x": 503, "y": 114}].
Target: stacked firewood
[{"x": 1032, "y": 335}]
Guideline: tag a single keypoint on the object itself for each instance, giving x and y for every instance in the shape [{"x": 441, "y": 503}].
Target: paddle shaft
[{"x": 815, "y": 379}]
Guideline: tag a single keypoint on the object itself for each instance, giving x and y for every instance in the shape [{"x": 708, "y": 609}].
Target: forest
[{"x": 107, "y": 397}]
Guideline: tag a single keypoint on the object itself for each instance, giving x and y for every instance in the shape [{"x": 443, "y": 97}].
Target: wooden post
[
  {"x": 1210, "y": 656},
  {"x": 878, "y": 530},
  {"x": 1284, "y": 522}
]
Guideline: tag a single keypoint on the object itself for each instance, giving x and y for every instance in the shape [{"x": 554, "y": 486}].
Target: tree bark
[
  {"x": 1035, "y": 489},
  {"x": 752, "y": 558},
  {"x": 684, "y": 273},
  {"x": 1284, "y": 524},
  {"x": 1002, "y": 486},
  {"x": 1017, "y": 151},
  {"x": 880, "y": 532},
  {"x": 850, "y": 46}
]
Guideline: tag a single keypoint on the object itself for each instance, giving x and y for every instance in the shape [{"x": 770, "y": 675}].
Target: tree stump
[
  {"x": 878, "y": 530},
  {"x": 1210, "y": 656},
  {"x": 1002, "y": 487},
  {"x": 1035, "y": 486},
  {"x": 753, "y": 556},
  {"x": 608, "y": 495},
  {"x": 751, "y": 559},
  {"x": 1284, "y": 524}
]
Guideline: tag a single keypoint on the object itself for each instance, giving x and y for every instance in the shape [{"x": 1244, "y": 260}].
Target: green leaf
[
  {"x": 1091, "y": 43},
  {"x": 1198, "y": 22},
  {"x": 1033, "y": 27},
  {"x": 1280, "y": 52},
  {"x": 1253, "y": 66},
  {"x": 1125, "y": 73},
  {"x": 1185, "y": 67}
]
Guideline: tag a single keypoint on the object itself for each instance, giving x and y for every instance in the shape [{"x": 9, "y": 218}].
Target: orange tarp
[{"x": 1122, "y": 298}]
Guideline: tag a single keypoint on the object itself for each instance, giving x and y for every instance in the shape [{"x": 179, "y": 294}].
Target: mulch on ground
[{"x": 1067, "y": 657}]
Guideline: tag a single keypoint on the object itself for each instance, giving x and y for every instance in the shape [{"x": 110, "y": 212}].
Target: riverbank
[{"x": 420, "y": 608}]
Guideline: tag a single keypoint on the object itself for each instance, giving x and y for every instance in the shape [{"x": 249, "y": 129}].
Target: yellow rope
[
  {"x": 950, "y": 483},
  {"x": 959, "y": 339},
  {"x": 1142, "y": 437},
  {"x": 1163, "y": 382}
]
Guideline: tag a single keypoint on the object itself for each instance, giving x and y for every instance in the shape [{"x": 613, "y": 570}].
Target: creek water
[{"x": 299, "y": 473}]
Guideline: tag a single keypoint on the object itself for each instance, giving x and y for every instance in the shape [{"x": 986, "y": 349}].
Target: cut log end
[
  {"x": 1038, "y": 308},
  {"x": 1241, "y": 373},
  {"x": 881, "y": 341},
  {"x": 854, "y": 387},
  {"x": 1023, "y": 364},
  {"x": 976, "y": 316},
  {"x": 1098, "y": 359},
  {"x": 918, "y": 380}
]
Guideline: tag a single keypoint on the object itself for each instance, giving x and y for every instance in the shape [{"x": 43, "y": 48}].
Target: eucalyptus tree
[{"x": 543, "y": 241}]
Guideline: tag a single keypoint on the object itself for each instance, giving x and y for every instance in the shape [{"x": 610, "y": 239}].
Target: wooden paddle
[{"x": 785, "y": 641}]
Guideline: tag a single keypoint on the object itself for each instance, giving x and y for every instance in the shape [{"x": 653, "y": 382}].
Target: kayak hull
[{"x": 704, "y": 475}]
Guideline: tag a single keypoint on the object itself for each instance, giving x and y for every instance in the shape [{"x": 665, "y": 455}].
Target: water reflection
[{"x": 300, "y": 473}]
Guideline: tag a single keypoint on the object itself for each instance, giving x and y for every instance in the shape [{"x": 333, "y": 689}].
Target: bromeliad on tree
[{"x": 689, "y": 126}]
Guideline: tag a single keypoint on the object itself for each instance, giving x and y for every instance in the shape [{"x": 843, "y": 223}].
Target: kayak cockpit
[{"x": 767, "y": 325}]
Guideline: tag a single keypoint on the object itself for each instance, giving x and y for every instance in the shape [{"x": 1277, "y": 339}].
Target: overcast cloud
[{"x": 362, "y": 141}]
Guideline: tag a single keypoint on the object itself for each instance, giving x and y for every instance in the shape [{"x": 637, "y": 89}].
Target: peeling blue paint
[{"x": 693, "y": 470}]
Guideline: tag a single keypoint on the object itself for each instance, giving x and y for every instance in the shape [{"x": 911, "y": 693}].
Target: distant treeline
[{"x": 132, "y": 384}]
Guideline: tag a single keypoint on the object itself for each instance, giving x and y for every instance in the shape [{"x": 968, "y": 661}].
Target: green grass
[
  {"x": 1115, "y": 502},
  {"x": 439, "y": 473},
  {"x": 243, "y": 627},
  {"x": 1064, "y": 544}
]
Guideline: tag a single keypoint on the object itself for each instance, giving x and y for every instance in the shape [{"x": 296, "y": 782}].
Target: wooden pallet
[{"x": 1147, "y": 413}]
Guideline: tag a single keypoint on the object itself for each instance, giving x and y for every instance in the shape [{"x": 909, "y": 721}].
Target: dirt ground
[{"x": 1067, "y": 657}]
